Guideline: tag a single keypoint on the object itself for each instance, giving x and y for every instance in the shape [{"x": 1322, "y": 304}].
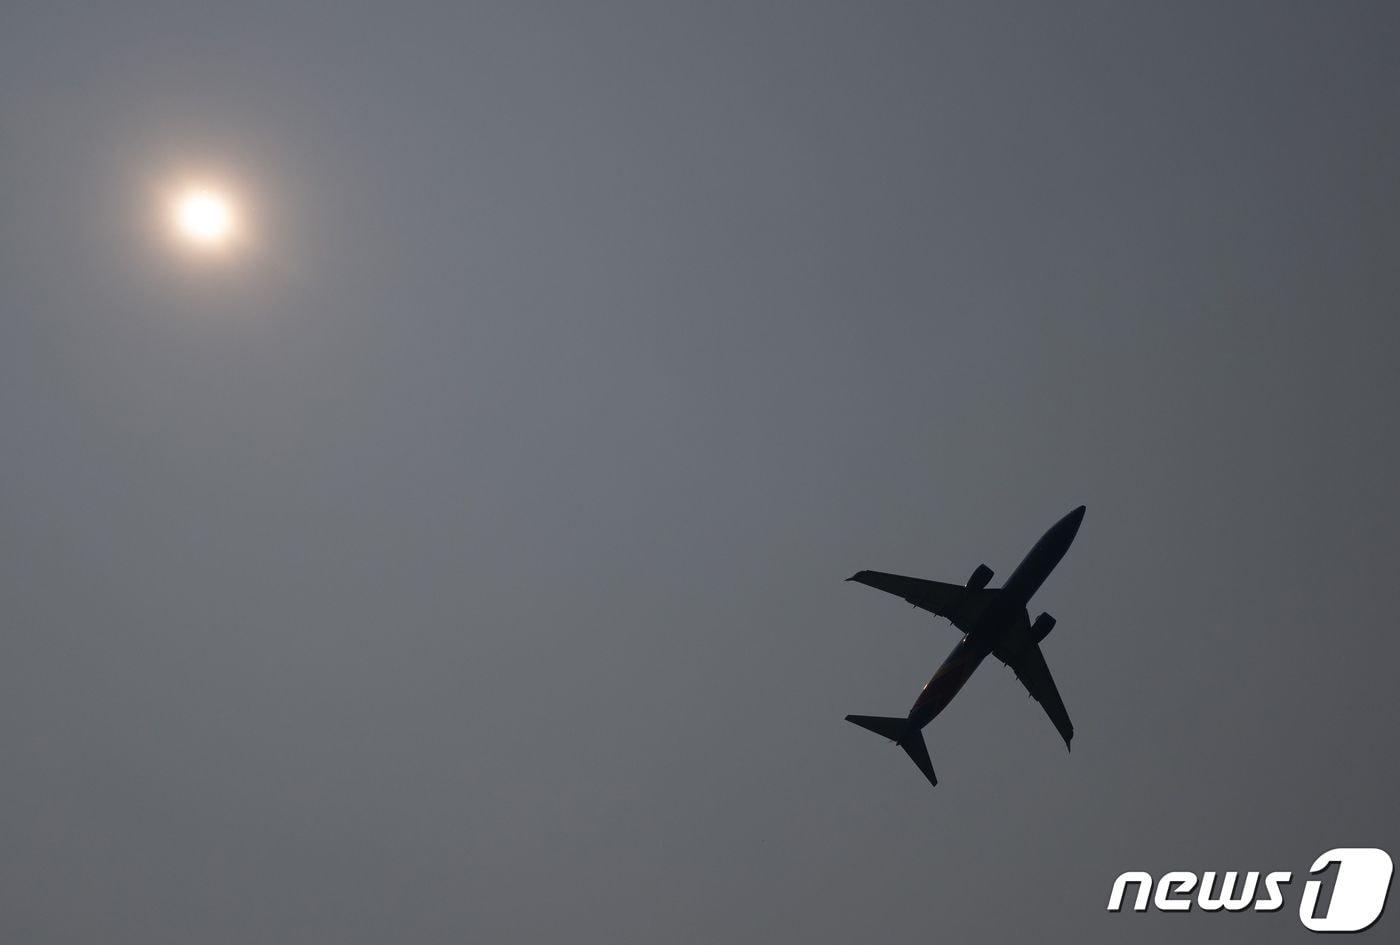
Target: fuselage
[{"x": 1000, "y": 618}]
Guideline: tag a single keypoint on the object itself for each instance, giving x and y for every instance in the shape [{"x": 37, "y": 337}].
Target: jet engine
[
  {"x": 979, "y": 578},
  {"x": 1042, "y": 627}
]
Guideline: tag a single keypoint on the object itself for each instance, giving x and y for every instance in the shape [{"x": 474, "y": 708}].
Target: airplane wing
[
  {"x": 1030, "y": 667},
  {"x": 959, "y": 604}
]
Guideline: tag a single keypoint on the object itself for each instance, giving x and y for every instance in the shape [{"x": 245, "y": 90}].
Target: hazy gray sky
[{"x": 466, "y": 565}]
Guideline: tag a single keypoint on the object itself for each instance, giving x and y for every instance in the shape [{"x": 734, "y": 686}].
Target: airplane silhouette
[{"x": 993, "y": 620}]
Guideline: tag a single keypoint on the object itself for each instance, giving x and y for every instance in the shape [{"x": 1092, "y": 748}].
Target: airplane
[{"x": 993, "y": 620}]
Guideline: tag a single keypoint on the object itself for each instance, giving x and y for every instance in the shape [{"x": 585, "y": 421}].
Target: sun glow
[{"x": 205, "y": 218}]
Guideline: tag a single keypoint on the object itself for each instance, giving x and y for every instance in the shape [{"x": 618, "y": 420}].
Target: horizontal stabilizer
[
  {"x": 902, "y": 733},
  {"x": 914, "y": 746},
  {"x": 893, "y": 729}
]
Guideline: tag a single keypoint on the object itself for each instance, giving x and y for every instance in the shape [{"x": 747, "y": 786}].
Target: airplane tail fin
[
  {"x": 917, "y": 751},
  {"x": 893, "y": 729},
  {"x": 903, "y": 734}
]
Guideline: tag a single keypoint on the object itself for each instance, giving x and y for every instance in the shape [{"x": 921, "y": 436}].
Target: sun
[{"x": 205, "y": 218}]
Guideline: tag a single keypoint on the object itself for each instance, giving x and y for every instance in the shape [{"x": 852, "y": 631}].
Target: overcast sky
[{"x": 463, "y": 562}]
